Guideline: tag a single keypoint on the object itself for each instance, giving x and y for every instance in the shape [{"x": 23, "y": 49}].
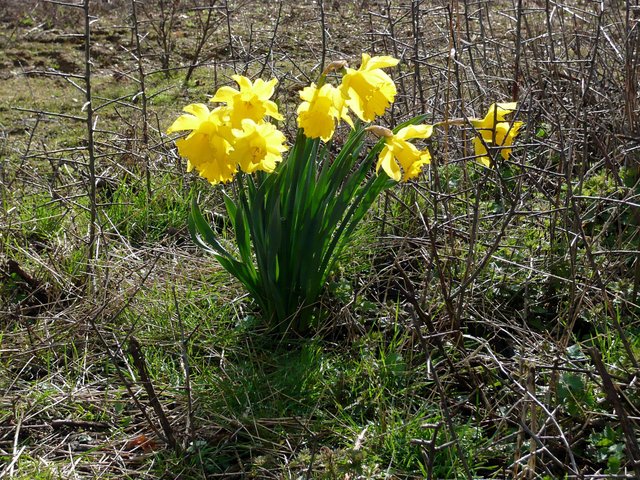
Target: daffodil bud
[
  {"x": 380, "y": 131},
  {"x": 335, "y": 67}
]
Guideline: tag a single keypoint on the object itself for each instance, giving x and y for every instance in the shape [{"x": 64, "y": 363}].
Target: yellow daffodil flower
[
  {"x": 495, "y": 131},
  {"x": 400, "y": 159},
  {"x": 258, "y": 146},
  {"x": 206, "y": 148},
  {"x": 321, "y": 109},
  {"x": 251, "y": 101},
  {"x": 369, "y": 91}
]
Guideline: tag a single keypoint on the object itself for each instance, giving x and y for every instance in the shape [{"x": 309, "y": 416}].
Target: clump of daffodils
[
  {"x": 291, "y": 226},
  {"x": 237, "y": 136}
]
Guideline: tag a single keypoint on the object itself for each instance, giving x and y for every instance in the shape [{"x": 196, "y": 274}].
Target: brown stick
[
  {"x": 141, "y": 367},
  {"x": 187, "y": 372},
  {"x": 93, "y": 212},
  {"x": 633, "y": 451},
  {"x": 86, "y": 424}
]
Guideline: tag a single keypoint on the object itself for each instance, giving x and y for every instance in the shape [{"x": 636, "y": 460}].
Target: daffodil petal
[
  {"x": 507, "y": 107},
  {"x": 345, "y": 116},
  {"x": 322, "y": 109},
  {"x": 242, "y": 81},
  {"x": 184, "y": 122},
  {"x": 389, "y": 165},
  {"x": 257, "y": 146},
  {"x": 308, "y": 93},
  {"x": 264, "y": 89},
  {"x": 200, "y": 110},
  {"x": 271, "y": 110},
  {"x": 481, "y": 152},
  {"x": 355, "y": 104},
  {"x": 497, "y": 113},
  {"x": 369, "y": 91},
  {"x": 415, "y": 168},
  {"x": 225, "y": 94},
  {"x": 382, "y": 62},
  {"x": 415, "y": 131}
]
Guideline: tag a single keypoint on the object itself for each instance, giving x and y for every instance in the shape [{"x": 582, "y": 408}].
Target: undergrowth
[{"x": 483, "y": 324}]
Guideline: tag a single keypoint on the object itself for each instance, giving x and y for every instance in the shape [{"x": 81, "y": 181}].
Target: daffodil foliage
[{"x": 293, "y": 216}]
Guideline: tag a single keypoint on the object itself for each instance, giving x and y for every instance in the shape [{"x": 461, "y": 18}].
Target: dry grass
[{"x": 485, "y": 323}]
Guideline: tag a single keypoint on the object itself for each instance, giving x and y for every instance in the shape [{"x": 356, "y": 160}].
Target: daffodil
[
  {"x": 400, "y": 159},
  {"x": 321, "y": 109},
  {"x": 251, "y": 101},
  {"x": 206, "y": 148},
  {"x": 258, "y": 146},
  {"x": 369, "y": 91},
  {"x": 495, "y": 131}
]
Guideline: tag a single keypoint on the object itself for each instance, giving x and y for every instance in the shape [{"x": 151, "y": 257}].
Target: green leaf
[
  {"x": 231, "y": 209},
  {"x": 202, "y": 233}
]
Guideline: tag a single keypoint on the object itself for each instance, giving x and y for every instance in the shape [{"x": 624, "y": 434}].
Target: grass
[{"x": 464, "y": 297}]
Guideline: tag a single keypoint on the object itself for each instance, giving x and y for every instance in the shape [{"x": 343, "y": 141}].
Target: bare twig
[
  {"x": 273, "y": 39},
  {"x": 187, "y": 371},
  {"x": 93, "y": 209},
  {"x": 205, "y": 31},
  {"x": 141, "y": 367},
  {"x": 613, "y": 398},
  {"x": 142, "y": 94},
  {"x": 323, "y": 27}
]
